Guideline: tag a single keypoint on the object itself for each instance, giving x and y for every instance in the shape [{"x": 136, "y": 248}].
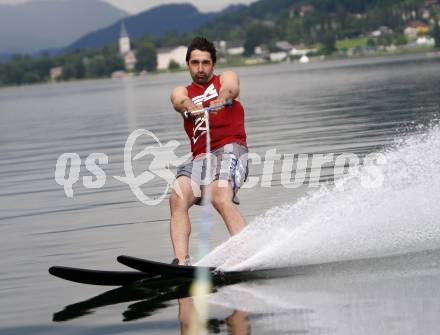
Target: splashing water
[{"x": 332, "y": 225}]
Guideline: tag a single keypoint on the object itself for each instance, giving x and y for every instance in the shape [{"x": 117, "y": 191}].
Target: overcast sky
[{"x": 135, "y": 6}]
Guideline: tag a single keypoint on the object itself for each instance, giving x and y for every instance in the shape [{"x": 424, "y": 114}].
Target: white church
[
  {"x": 164, "y": 55},
  {"x": 125, "y": 51}
]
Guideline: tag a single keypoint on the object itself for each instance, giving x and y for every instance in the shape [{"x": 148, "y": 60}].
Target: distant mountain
[
  {"x": 46, "y": 24},
  {"x": 156, "y": 22},
  {"x": 4, "y": 57}
]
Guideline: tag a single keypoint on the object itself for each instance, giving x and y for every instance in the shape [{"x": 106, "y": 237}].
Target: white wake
[{"x": 332, "y": 225}]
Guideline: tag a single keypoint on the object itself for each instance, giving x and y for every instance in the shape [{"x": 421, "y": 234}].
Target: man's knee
[
  {"x": 221, "y": 197},
  {"x": 179, "y": 202},
  {"x": 185, "y": 187}
]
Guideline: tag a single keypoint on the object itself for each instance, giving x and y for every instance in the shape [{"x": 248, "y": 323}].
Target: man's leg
[
  {"x": 222, "y": 194},
  {"x": 238, "y": 323},
  {"x": 180, "y": 227},
  {"x": 186, "y": 315}
]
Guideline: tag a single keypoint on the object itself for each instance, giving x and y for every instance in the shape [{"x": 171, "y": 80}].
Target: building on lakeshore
[
  {"x": 425, "y": 41},
  {"x": 283, "y": 46},
  {"x": 165, "y": 56},
  {"x": 235, "y": 48},
  {"x": 416, "y": 28},
  {"x": 278, "y": 56},
  {"x": 56, "y": 73},
  {"x": 125, "y": 51}
]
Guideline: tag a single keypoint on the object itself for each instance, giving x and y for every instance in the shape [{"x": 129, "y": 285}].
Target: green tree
[
  {"x": 385, "y": 40},
  {"x": 436, "y": 33},
  {"x": 74, "y": 68},
  {"x": 113, "y": 62},
  {"x": 31, "y": 77},
  {"x": 256, "y": 34},
  {"x": 14, "y": 72},
  {"x": 371, "y": 42},
  {"x": 146, "y": 56},
  {"x": 68, "y": 71},
  {"x": 171, "y": 38},
  {"x": 399, "y": 39},
  {"x": 294, "y": 31},
  {"x": 2, "y": 75},
  {"x": 79, "y": 68},
  {"x": 328, "y": 44},
  {"x": 42, "y": 66},
  {"x": 173, "y": 65},
  {"x": 96, "y": 67}
]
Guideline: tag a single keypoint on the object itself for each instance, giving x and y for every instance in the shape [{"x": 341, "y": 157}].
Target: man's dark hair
[{"x": 202, "y": 44}]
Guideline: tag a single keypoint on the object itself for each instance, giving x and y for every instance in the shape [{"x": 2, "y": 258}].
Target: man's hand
[
  {"x": 195, "y": 111},
  {"x": 218, "y": 101}
]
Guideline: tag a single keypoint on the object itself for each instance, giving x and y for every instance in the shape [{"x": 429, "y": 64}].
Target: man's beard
[{"x": 201, "y": 78}]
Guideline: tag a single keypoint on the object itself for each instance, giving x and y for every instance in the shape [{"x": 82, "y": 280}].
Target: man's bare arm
[
  {"x": 180, "y": 100},
  {"x": 230, "y": 86}
]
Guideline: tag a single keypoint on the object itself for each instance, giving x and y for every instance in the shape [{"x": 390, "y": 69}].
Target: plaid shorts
[{"x": 227, "y": 163}]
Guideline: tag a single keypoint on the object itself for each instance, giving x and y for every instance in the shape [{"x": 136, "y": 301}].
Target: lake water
[{"x": 366, "y": 254}]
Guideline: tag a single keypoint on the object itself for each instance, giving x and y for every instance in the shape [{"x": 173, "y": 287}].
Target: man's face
[{"x": 200, "y": 66}]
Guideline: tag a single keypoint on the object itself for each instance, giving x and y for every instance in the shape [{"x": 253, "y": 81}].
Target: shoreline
[{"x": 431, "y": 54}]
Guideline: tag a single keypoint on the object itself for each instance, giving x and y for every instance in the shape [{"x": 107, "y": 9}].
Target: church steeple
[
  {"x": 123, "y": 30},
  {"x": 124, "y": 40}
]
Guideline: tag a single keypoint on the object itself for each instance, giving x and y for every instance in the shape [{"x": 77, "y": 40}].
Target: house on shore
[
  {"x": 416, "y": 28},
  {"x": 235, "y": 48},
  {"x": 165, "y": 56}
]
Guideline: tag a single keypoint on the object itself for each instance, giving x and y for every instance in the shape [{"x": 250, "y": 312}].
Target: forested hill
[
  {"x": 155, "y": 22},
  {"x": 310, "y": 21}
]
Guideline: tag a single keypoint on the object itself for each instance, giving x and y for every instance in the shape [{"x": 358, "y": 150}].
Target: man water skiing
[{"x": 228, "y": 146}]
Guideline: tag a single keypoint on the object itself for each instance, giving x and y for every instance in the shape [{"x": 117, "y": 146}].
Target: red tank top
[{"x": 226, "y": 125}]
